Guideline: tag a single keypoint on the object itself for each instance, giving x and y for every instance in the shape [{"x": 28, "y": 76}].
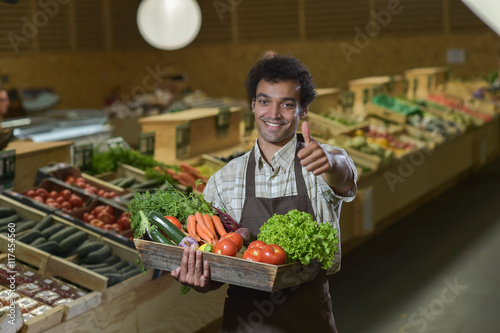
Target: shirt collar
[{"x": 282, "y": 159}]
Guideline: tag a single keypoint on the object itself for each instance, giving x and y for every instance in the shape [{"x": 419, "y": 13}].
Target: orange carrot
[
  {"x": 191, "y": 227},
  {"x": 205, "y": 236},
  {"x": 218, "y": 225},
  {"x": 202, "y": 228},
  {"x": 209, "y": 223}
]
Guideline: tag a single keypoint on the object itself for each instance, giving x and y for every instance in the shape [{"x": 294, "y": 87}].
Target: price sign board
[
  {"x": 82, "y": 156},
  {"x": 117, "y": 142},
  {"x": 7, "y": 168},
  {"x": 147, "y": 143}
]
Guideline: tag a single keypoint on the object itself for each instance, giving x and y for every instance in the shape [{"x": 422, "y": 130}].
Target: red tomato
[
  {"x": 101, "y": 193},
  {"x": 53, "y": 194},
  {"x": 174, "y": 221},
  {"x": 97, "y": 223},
  {"x": 39, "y": 198},
  {"x": 65, "y": 205},
  {"x": 70, "y": 179},
  {"x": 109, "y": 209},
  {"x": 124, "y": 222},
  {"x": 113, "y": 226},
  {"x": 42, "y": 192},
  {"x": 273, "y": 254},
  {"x": 76, "y": 201},
  {"x": 256, "y": 244},
  {"x": 254, "y": 254},
  {"x": 87, "y": 217},
  {"x": 55, "y": 205},
  {"x": 106, "y": 217},
  {"x": 226, "y": 247},
  {"x": 60, "y": 199},
  {"x": 236, "y": 238},
  {"x": 49, "y": 200},
  {"x": 66, "y": 194},
  {"x": 30, "y": 193}
]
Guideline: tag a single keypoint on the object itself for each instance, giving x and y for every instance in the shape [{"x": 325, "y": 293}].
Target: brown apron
[{"x": 303, "y": 308}]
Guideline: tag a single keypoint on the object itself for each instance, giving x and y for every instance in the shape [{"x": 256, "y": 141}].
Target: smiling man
[{"x": 279, "y": 174}]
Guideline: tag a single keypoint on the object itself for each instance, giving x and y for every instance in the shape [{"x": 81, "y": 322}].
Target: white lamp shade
[
  {"x": 169, "y": 24},
  {"x": 488, "y": 11}
]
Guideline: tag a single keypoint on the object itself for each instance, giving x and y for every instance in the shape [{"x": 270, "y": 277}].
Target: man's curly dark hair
[{"x": 281, "y": 68}]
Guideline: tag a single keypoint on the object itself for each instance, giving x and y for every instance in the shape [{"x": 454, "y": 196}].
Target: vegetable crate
[
  {"x": 326, "y": 98},
  {"x": 190, "y": 133},
  {"x": 232, "y": 270}
]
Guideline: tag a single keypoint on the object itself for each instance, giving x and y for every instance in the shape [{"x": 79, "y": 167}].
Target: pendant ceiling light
[
  {"x": 169, "y": 24},
  {"x": 487, "y": 10}
]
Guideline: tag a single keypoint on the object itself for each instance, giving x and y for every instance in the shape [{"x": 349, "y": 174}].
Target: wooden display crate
[
  {"x": 190, "y": 133},
  {"x": 123, "y": 170},
  {"x": 422, "y": 81},
  {"x": 233, "y": 270},
  {"x": 326, "y": 126},
  {"x": 365, "y": 88},
  {"x": 326, "y": 98}
]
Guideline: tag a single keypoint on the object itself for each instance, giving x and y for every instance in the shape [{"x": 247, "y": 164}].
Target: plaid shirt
[{"x": 226, "y": 188}]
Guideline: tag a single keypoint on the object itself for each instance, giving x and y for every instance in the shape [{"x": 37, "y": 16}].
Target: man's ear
[{"x": 304, "y": 112}]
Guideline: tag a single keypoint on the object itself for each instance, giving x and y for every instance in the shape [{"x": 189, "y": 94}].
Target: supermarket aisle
[{"x": 435, "y": 271}]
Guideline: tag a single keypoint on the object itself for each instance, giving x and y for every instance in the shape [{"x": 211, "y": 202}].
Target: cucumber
[
  {"x": 112, "y": 260},
  {"x": 117, "y": 180},
  {"x": 24, "y": 225},
  {"x": 30, "y": 236},
  {"x": 167, "y": 227},
  {"x": 126, "y": 182},
  {"x": 38, "y": 241},
  {"x": 113, "y": 278},
  {"x": 50, "y": 247},
  {"x": 6, "y": 212},
  {"x": 119, "y": 265},
  {"x": 63, "y": 233},
  {"x": 85, "y": 249},
  {"x": 52, "y": 230},
  {"x": 11, "y": 219},
  {"x": 75, "y": 240},
  {"x": 127, "y": 268},
  {"x": 94, "y": 266},
  {"x": 73, "y": 250},
  {"x": 131, "y": 273},
  {"x": 105, "y": 270},
  {"x": 146, "y": 184},
  {"x": 44, "y": 223},
  {"x": 98, "y": 256}
]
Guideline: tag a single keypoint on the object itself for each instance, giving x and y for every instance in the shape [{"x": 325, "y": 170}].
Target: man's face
[
  {"x": 4, "y": 102},
  {"x": 277, "y": 111}
]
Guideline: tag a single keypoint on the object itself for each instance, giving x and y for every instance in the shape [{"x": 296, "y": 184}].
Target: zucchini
[
  {"x": 24, "y": 225},
  {"x": 44, "y": 223},
  {"x": 157, "y": 236},
  {"x": 113, "y": 278},
  {"x": 112, "y": 260},
  {"x": 119, "y": 265},
  {"x": 52, "y": 230},
  {"x": 74, "y": 240},
  {"x": 38, "y": 241},
  {"x": 146, "y": 184},
  {"x": 104, "y": 270},
  {"x": 129, "y": 267},
  {"x": 127, "y": 275},
  {"x": 50, "y": 247},
  {"x": 117, "y": 180},
  {"x": 98, "y": 256},
  {"x": 6, "y": 212},
  {"x": 11, "y": 219},
  {"x": 30, "y": 236},
  {"x": 63, "y": 233},
  {"x": 85, "y": 249},
  {"x": 94, "y": 266},
  {"x": 126, "y": 182},
  {"x": 167, "y": 227}
]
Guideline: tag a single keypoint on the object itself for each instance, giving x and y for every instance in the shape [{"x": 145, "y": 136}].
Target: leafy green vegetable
[
  {"x": 302, "y": 238},
  {"x": 109, "y": 160},
  {"x": 168, "y": 202}
]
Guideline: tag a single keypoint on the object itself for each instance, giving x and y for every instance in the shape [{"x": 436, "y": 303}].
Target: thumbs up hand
[{"x": 313, "y": 157}]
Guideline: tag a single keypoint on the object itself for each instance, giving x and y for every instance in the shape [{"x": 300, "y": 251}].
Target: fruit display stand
[
  {"x": 365, "y": 88},
  {"x": 190, "y": 133},
  {"x": 422, "y": 81},
  {"x": 31, "y": 156}
]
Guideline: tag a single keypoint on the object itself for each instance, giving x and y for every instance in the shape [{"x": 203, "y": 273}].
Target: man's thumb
[{"x": 306, "y": 133}]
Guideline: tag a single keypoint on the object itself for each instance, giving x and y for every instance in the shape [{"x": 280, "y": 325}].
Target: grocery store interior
[{"x": 108, "y": 108}]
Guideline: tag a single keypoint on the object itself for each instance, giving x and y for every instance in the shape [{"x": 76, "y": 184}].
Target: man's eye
[
  {"x": 262, "y": 102},
  {"x": 288, "y": 105}
]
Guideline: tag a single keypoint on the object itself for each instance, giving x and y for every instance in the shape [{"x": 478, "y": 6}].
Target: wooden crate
[
  {"x": 422, "y": 81},
  {"x": 233, "y": 270},
  {"x": 186, "y": 134},
  {"x": 123, "y": 170},
  {"x": 364, "y": 89},
  {"x": 326, "y": 99},
  {"x": 31, "y": 156}
]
